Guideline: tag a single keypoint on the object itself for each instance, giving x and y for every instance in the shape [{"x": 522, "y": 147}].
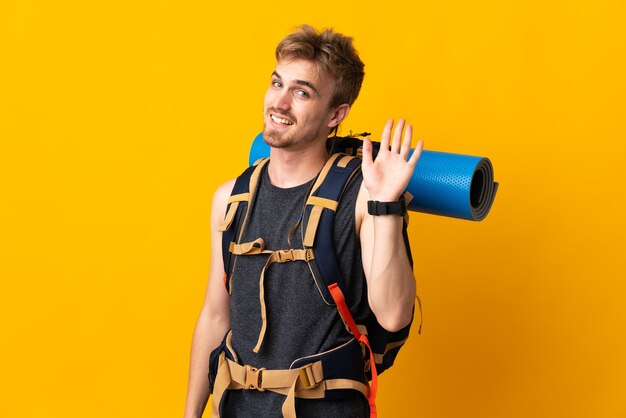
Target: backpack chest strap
[
  {"x": 257, "y": 247},
  {"x": 280, "y": 256}
]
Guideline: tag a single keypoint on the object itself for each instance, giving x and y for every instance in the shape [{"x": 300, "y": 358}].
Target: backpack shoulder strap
[
  {"x": 237, "y": 211},
  {"x": 318, "y": 225},
  {"x": 319, "y": 218}
]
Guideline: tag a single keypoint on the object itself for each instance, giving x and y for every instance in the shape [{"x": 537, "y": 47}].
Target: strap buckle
[
  {"x": 282, "y": 256},
  {"x": 254, "y": 378},
  {"x": 308, "y": 255},
  {"x": 306, "y": 377}
]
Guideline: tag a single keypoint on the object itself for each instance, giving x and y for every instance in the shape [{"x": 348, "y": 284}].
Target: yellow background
[{"x": 119, "y": 119}]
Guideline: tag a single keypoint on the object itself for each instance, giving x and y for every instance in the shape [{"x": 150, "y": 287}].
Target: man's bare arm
[
  {"x": 390, "y": 281},
  {"x": 214, "y": 318}
]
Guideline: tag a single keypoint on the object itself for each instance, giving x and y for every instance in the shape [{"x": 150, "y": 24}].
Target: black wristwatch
[{"x": 376, "y": 208}]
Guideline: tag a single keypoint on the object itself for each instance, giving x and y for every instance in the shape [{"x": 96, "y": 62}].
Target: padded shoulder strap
[
  {"x": 319, "y": 218},
  {"x": 237, "y": 211}
]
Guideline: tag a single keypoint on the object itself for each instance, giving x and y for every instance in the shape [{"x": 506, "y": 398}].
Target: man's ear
[{"x": 338, "y": 115}]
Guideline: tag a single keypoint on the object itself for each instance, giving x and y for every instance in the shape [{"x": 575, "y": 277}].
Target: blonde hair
[{"x": 333, "y": 53}]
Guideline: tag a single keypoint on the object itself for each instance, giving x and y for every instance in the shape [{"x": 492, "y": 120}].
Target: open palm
[{"x": 387, "y": 177}]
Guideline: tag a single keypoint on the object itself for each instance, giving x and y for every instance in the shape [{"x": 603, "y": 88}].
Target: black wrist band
[{"x": 376, "y": 208}]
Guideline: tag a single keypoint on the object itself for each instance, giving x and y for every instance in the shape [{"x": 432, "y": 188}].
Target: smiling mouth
[{"x": 280, "y": 121}]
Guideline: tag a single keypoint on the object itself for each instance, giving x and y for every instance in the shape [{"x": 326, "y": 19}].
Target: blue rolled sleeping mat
[{"x": 445, "y": 184}]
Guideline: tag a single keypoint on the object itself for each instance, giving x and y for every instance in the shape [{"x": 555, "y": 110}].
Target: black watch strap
[{"x": 376, "y": 208}]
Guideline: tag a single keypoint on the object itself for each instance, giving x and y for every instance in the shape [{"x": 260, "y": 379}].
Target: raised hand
[{"x": 387, "y": 177}]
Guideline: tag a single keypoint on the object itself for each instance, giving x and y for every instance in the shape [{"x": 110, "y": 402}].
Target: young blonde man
[{"x": 317, "y": 78}]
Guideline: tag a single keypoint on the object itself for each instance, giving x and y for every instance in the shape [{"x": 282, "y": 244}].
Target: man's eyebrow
[
  {"x": 299, "y": 82},
  {"x": 308, "y": 84}
]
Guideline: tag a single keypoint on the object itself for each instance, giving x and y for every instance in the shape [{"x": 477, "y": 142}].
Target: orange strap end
[{"x": 340, "y": 301}]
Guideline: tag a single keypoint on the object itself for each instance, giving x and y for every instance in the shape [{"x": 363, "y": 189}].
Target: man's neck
[{"x": 293, "y": 168}]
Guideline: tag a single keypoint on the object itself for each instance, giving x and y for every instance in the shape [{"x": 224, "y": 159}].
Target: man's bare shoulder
[
  {"x": 220, "y": 199},
  {"x": 223, "y": 191}
]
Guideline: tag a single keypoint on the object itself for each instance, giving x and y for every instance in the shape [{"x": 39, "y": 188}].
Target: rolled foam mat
[{"x": 445, "y": 184}]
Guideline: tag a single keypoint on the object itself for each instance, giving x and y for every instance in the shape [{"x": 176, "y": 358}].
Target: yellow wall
[{"x": 118, "y": 119}]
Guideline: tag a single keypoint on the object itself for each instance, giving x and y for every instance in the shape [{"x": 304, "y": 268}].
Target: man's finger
[
  {"x": 384, "y": 141},
  {"x": 406, "y": 143},
  {"x": 367, "y": 151},
  {"x": 417, "y": 153},
  {"x": 397, "y": 137}
]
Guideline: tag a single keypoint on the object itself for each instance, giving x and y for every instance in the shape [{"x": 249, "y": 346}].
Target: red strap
[{"x": 340, "y": 301}]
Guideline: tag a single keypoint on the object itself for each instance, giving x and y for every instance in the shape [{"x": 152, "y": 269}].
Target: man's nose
[{"x": 283, "y": 101}]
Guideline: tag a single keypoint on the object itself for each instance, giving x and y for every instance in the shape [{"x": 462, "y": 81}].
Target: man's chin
[{"x": 275, "y": 140}]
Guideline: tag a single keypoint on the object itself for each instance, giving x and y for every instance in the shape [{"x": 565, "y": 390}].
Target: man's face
[{"x": 296, "y": 106}]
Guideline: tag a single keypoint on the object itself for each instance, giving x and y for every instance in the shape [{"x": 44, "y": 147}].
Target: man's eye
[
  {"x": 277, "y": 84},
  {"x": 302, "y": 93}
]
